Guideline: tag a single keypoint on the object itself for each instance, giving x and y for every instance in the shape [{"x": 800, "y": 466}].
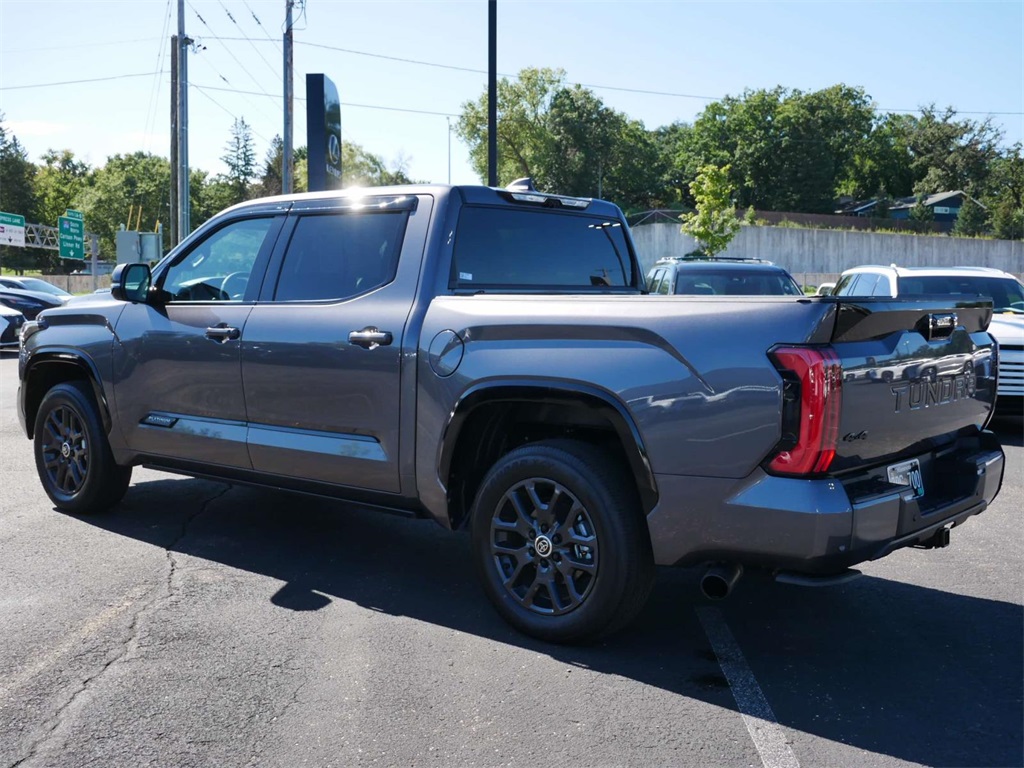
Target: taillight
[{"x": 812, "y": 403}]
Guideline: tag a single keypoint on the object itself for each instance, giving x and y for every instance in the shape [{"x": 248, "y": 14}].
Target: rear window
[
  {"x": 1006, "y": 293},
  {"x": 504, "y": 247},
  {"x": 736, "y": 283}
]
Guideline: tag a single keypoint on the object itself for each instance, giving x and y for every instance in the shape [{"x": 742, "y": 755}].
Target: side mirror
[{"x": 130, "y": 282}]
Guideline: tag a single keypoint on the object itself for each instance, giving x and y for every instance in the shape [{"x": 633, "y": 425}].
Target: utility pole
[
  {"x": 492, "y": 93},
  {"x": 449, "y": 121},
  {"x": 286, "y": 158},
  {"x": 184, "y": 226},
  {"x": 173, "y": 212}
]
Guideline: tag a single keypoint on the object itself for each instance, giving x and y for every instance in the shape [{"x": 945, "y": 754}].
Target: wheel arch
[
  {"x": 494, "y": 417},
  {"x": 48, "y": 368}
]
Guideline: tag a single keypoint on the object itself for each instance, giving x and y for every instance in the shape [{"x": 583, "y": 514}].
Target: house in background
[{"x": 945, "y": 206}]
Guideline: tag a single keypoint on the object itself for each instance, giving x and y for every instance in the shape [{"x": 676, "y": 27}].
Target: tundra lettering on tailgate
[{"x": 922, "y": 393}]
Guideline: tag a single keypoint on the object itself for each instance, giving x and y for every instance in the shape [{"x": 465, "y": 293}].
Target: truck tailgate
[{"x": 905, "y": 392}]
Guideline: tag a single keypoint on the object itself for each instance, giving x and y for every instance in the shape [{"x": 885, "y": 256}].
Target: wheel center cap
[
  {"x": 65, "y": 450},
  {"x": 543, "y": 546}
]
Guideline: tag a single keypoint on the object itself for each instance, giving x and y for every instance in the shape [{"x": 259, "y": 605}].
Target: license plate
[{"x": 908, "y": 473}]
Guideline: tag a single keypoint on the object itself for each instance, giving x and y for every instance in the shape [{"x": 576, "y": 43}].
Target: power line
[
  {"x": 251, "y": 43},
  {"x": 226, "y": 49},
  {"x": 202, "y": 91},
  {"x": 598, "y": 87},
  {"x": 79, "y": 82},
  {"x": 154, "y": 98},
  {"x": 260, "y": 23},
  {"x": 100, "y": 44},
  {"x": 345, "y": 103}
]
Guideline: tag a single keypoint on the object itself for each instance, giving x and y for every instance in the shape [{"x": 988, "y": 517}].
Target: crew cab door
[
  {"x": 178, "y": 376},
  {"x": 322, "y": 356}
]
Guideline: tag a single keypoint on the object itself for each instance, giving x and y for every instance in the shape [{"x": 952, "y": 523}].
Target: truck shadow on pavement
[{"x": 918, "y": 674}]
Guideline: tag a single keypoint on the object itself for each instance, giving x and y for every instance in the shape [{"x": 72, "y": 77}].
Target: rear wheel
[
  {"x": 560, "y": 542},
  {"x": 73, "y": 457}
]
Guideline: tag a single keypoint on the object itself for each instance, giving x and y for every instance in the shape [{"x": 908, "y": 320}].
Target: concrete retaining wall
[{"x": 821, "y": 254}]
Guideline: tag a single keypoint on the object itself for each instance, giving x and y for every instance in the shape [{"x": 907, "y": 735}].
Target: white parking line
[{"x": 764, "y": 729}]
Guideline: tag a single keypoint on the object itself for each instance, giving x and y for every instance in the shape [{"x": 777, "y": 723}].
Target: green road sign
[
  {"x": 74, "y": 214},
  {"x": 71, "y": 238},
  {"x": 12, "y": 230},
  {"x": 12, "y": 219}
]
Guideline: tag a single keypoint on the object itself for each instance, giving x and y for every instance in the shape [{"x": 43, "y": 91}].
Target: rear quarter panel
[{"x": 693, "y": 373}]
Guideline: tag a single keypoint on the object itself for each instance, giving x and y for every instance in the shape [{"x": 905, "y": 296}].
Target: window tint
[
  {"x": 340, "y": 255},
  {"x": 843, "y": 286},
  {"x": 654, "y": 279},
  {"x": 508, "y": 247},
  {"x": 665, "y": 286},
  {"x": 710, "y": 282},
  {"x": 1006, "y": 293},
  {"x": 218, "y": 269}
]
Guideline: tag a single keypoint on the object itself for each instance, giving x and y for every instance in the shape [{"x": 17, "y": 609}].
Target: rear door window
[
  {"x": 333, "y": 256},
  {"x": 506, "y": 247}
]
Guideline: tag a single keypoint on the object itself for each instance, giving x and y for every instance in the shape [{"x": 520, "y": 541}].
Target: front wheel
[
  {"x": 72, "y": 454},
  {"x": 560, "y": 543}
]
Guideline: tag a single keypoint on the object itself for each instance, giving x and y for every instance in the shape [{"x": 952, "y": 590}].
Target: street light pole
[
  {"x": 286, "y": 158},
  {"x": 492, "y": 93}
]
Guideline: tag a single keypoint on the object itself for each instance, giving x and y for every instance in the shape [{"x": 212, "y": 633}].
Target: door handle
[
  {"x": 222, "y": 333},
  {"x": 370, "y": 338}
]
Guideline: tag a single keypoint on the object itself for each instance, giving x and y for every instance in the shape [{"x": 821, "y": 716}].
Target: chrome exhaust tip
[{"x": 718, "y": 581}]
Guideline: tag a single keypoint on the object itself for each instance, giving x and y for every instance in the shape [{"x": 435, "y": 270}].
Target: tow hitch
[{"x": 937, "y": 540}]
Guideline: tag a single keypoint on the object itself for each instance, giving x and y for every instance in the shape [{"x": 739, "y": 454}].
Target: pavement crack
[{"x": 126, "y": 647}]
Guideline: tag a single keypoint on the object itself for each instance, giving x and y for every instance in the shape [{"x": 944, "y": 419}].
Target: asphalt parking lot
[{"x": 203, "y": 624}]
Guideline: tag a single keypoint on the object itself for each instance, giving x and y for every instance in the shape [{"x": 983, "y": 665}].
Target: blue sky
[{"x": 969, "y": 55}]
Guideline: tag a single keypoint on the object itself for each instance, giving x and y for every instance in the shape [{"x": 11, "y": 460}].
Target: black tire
[
  {"x": 73, "y": 456},
  {"x": 560, "y": 543}
]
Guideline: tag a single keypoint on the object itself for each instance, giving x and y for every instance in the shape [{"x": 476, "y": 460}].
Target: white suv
[{"x": 1006, "y": 291}]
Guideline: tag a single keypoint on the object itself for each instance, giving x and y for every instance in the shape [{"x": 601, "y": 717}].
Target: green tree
[
  {"x": 920, "y": 212},
  {"x": 525, "y": 141},
  {"x": 361, "y": 168},
  {"x": 788, "y": 150},
  {"x": 125, "y": 185},
  {"x": 566, "y": 140},
  {"x": 240, "y": 159},
  {"x": 17, "y": 195},
  {"x": 714, "y": 224},
  {"x": 882, "y": 164},
  {"x": 950, "y": 154},
  {"x": 1005, "y": 195},
  {"x": 59, "y": 183},
  {"x": 972, "y": 219}
]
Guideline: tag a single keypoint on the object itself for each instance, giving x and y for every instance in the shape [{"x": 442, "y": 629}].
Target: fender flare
[
  {"x": 553, "y": 391},
  {"x": 65, "y": 356}
]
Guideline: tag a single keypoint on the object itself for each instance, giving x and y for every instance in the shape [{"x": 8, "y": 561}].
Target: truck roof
[{"x": 471, "y": 193}]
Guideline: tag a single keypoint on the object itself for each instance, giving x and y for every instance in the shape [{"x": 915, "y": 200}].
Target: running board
[{"x": 810, "y": 580}]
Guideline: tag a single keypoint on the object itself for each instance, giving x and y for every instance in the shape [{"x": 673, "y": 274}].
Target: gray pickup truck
[{"x": 487, "y": 358}]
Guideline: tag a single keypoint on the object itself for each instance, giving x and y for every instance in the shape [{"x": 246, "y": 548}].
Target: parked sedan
[
  {"x": 29, "y": 303},
  {"x": 11, "y": 321},
  {"x": 35, "y": 284}
]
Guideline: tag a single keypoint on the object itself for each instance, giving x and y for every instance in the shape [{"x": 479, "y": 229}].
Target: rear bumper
[{"x": 824, "y": 525}]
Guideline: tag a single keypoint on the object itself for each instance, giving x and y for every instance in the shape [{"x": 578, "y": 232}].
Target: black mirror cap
[{"x": 130, "y": 282}]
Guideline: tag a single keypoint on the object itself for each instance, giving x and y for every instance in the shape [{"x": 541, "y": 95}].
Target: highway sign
[
  {"x": 12, "y": 230},
  {"x": 74, "y": 214},
  {"x": 71, "y": 238}
]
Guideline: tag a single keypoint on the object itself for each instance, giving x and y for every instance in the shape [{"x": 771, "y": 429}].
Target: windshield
[
  {"x": 1007, "y": 294},
  {"x": 710, "y": 282},
  {"x": 35, "y": 284}
]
